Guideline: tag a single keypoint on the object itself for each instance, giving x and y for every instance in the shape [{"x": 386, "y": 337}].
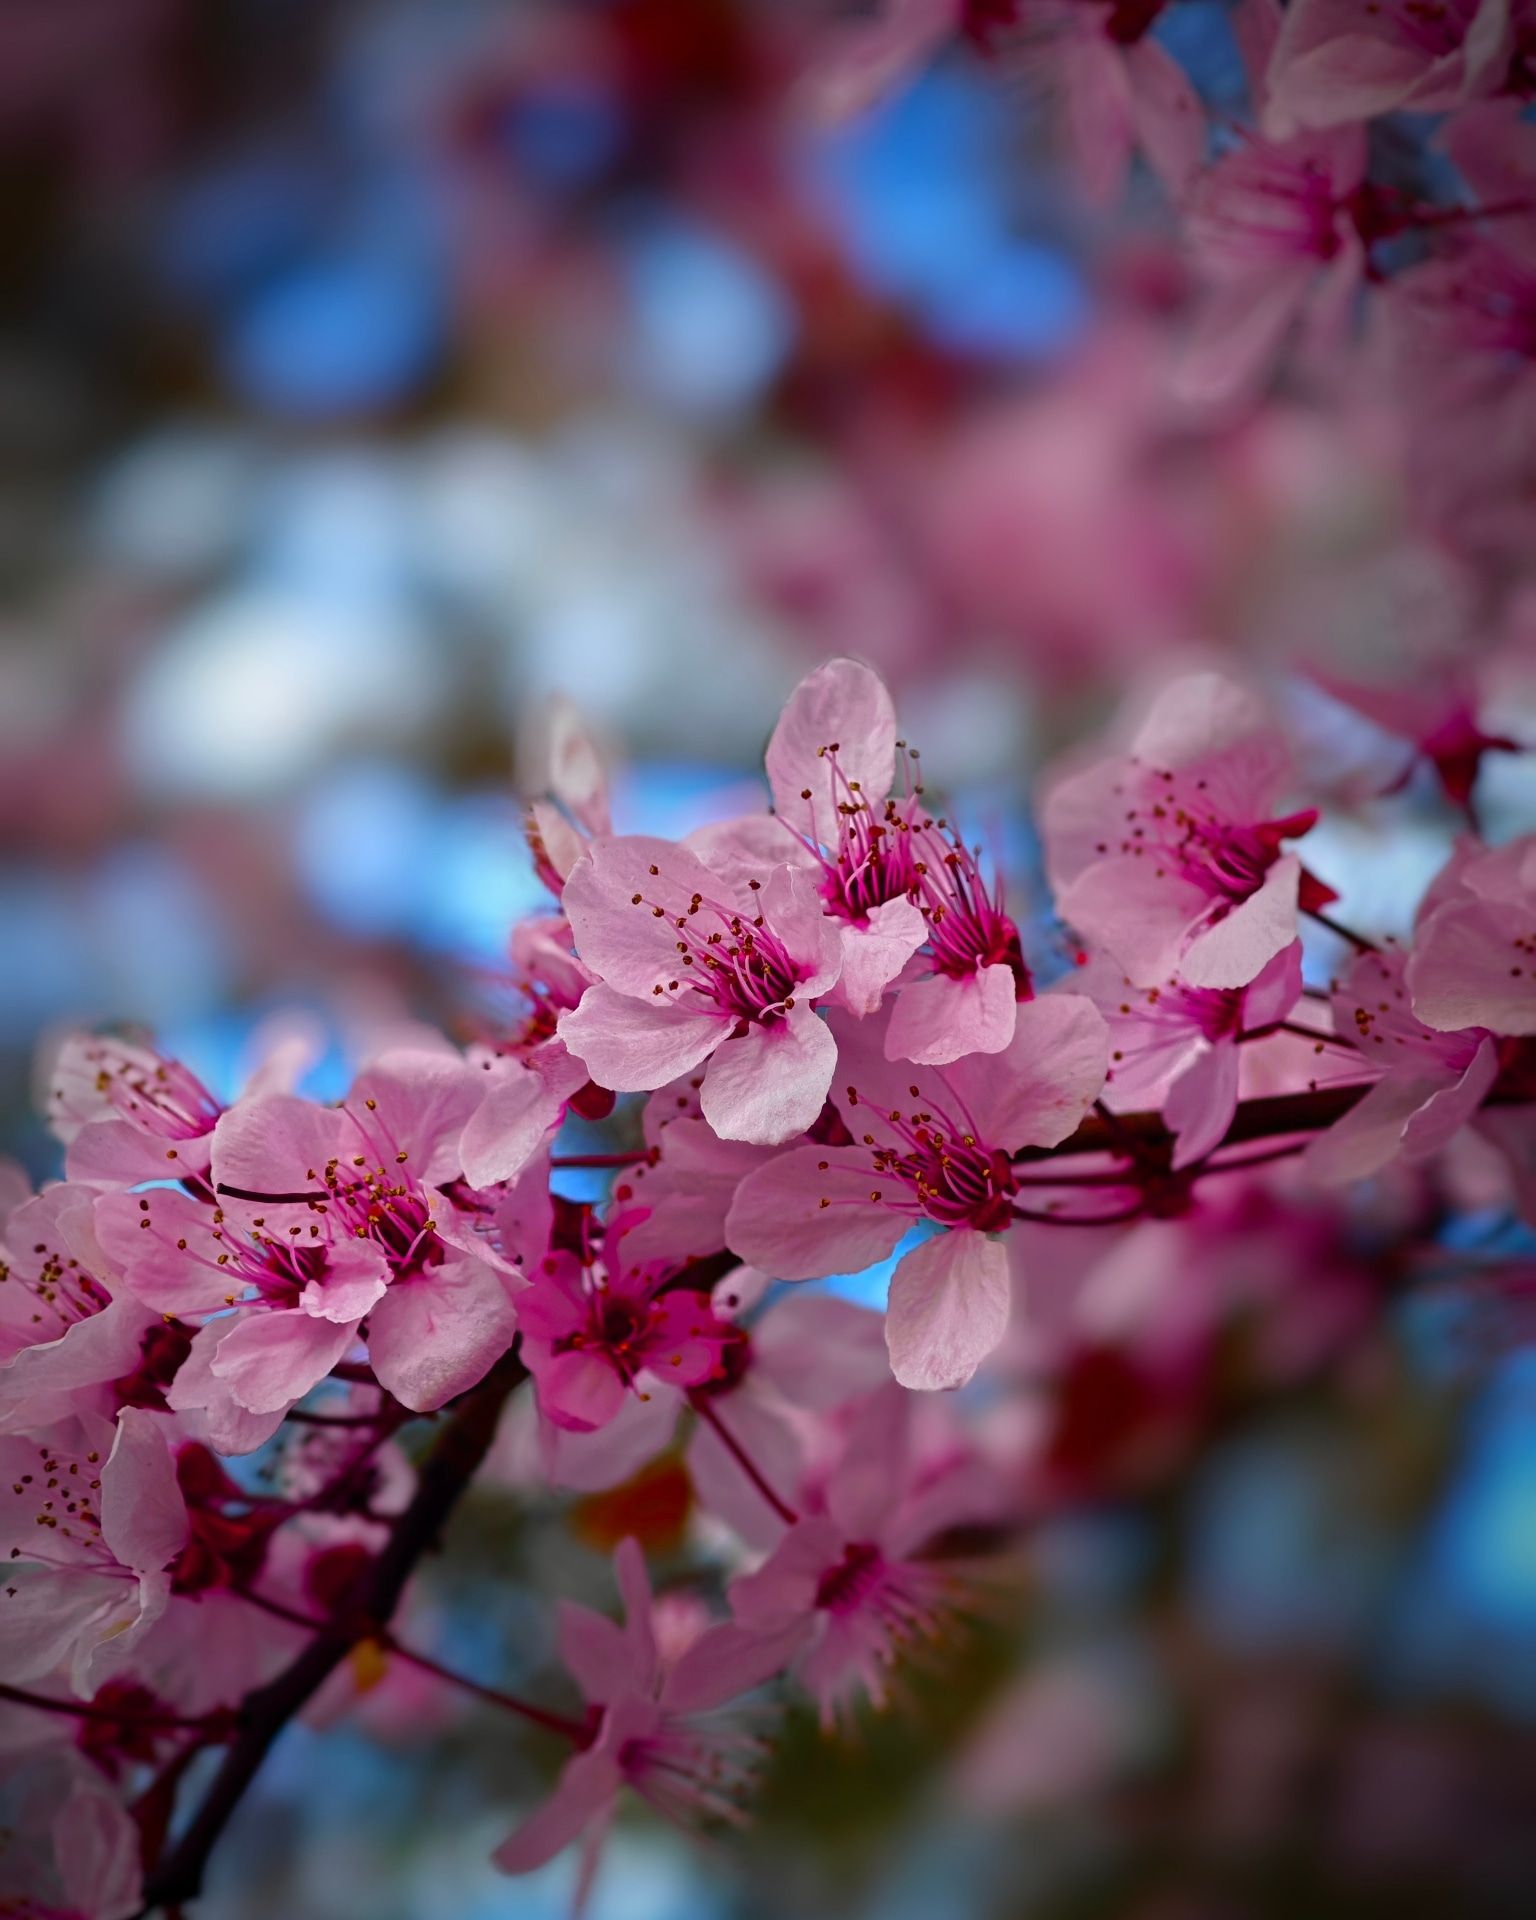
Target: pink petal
[
  {"x": 635, "y": 1591},
  {"x": 940, "y": 1019},
  {"x": 1236, "y": 949},
  {"x": 1035, "y": 1093},
  {"x": 269, "y": 1360},
  {"x": 841, "y": 703},
  {"x": 1274, "y": 990},
  {"x": 51, "y": 1617},
  {"x": 209, "y": 1409},
  {"x": 143, "y": 1514},
  {"x": 595, "y": 1651},
  {"x": 579, "y": 1391},
  {"x": 441, "y": 1331},
  {"x": 1200, "y": 1104},
  {"x": 1139, "y": 914},
  {"x": 522, "y": 1101},
  {"x": 632, "y": 1046},
  {"x": 820, "y": 1352},
  {"x": 875, "y": 952},
  {"x": 777, "y": 1221},
  {"x": 623, "y": 941},
  {"x": 165, "y": 1250},
  {"x": 947, "y": 1310},
  {"x": 771, "y": 1083},
  {"x": 356, "y": 1274},
  {"x": 586, "y": 1789},
  {"x": 416, "y": 1103},
  {"x": 727, "y": 1661},
  {"x": 1466, "y": 971},
  {"x": 96, "y": 1843}
]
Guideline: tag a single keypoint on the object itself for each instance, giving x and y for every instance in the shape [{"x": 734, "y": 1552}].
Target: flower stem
[{"x": 706, "y": 1412}]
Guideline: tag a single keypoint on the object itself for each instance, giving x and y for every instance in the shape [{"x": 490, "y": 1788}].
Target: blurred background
[{"x": 374, "y": 371}]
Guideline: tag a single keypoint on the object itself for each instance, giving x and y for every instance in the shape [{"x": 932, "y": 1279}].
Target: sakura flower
[
  {"x": 855, "y": 1574},
  {"x": 69, "y": 1344},
  {"x": 524, "y": 1099},
  {"x": 328, "y": 1217},
  {"x": 928, "y": 1144},
  {"x": 1177, "y": 1046},
  {"x": 594, "y": 1333},
  {"x": 683, "y": 1189},
  {"x": 127, "y": 1112},
  {"x": 1431, "y": 1083},
  {"x": 1438, "y": 715},
  {"x": 647, "y": 1726},
  {"x": 891, "y": 875},
  {"x": 49, "y": 1287},
  {"x": 93, "y": 1523},
  {"x": 1336, "y": 62},
  {"x": 1474, "y": 951},
  {"x": 71, "y": 1848},
  {"x": 693, "y": 967},
  {"x": 1276, "y": 242},
  {"x": 1171, "y": 856}
]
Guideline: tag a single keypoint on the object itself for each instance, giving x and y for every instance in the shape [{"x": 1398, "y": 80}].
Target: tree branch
[
  {"x": 449, "y": 1467},
  {"x": 1266, "y": 1118}
]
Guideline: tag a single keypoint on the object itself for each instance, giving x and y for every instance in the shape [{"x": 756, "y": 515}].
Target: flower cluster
[{"x": 219, "y": 1325}]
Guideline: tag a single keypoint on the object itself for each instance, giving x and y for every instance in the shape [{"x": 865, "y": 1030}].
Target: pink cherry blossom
[
  {"x": 1438, "y": 715},
  {"x": 1170, "y": 856},
  {"x": 893, "y": 876},
  {"x": 692, "y": 968},
  {"x": 96, "y": 1522},
  {"x": 854, "y": 1573},
  {"x": 647, "y": 1725},
  {"x": 326, "y": 1218},
  {"x": 1473, "y": 962},
  {"x": 127, "y": 1112},
  {"x": 1276, "y": 243},
  {"x": 681, "y": 1192},
  {"x": 1336, "y": 62},
  {"x": 926, "y": 1144},
  {"x": 1180, "y": 1048},
  {"x": 593, "y": 1334},
  {"x": 1430, "y": 1083}
]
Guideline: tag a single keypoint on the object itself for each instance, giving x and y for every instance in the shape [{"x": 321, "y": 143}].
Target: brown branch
[
  {"x": 1268, "y": 1118},
  {"x": 449, "y": 1467}
]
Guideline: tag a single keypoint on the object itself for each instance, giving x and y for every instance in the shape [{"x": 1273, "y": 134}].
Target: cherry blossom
[
  {"x": 1171, "y": 856},
  {"x": 854, "y": 1575},
  {"x": 648, "y": 1728},
  {"x": 1430, "y": 1083},
  {"x": 1180, "y": 1047},
  {"x": 593, "y": 1333},
  {"x": 1336, "y": 63},
  {"x": 1471, "y": 964},
  {"x": 892, "y": 875},
  {"x": 926, "y": 1145},
  {"x": 694, "y": 968}
]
